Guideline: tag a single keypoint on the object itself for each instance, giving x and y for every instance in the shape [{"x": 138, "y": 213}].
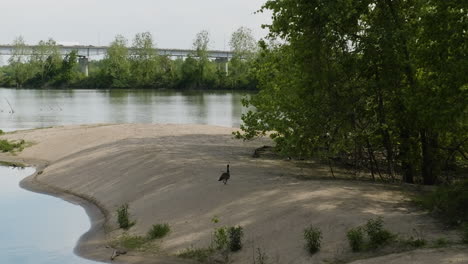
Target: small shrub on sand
[
  {"x": 198, "y": 254},
  {"x": 123, "y": 217},
  {"x": 11, "y": 146},
  {"x": 235, "y": 238},
  {"x": 378, "y": 236},
  {"x": 356, "y": 239},
  {"x": 441, "y": 242},
  {"x": 130, "y": 242},
  {"x": 313, "y": 237},
  {"x": 450, "y": 202},
  {"x": 158, "y": 231}
]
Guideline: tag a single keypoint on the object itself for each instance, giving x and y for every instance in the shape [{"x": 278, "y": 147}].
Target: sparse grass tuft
[
  {"x": 11, "y": 146},
  {"x": 441, "y": 242},
  {"x": 158, "y": 231},
  {"x": 123, "y": 217},
  {"x": 260, "y": 257},
  {"x": 12, "y": 164},
  {"x": 198, "y": 254},
  {"x": 313, "y": 237},
  {"x": 130, "y": 242}
]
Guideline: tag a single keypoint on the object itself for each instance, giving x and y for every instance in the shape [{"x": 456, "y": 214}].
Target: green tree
[
  {"x": 200, "y": 47},
  {"x": 46, "y": 61},
  {"x": 19, "y": 62},
  {"x": 358, "y": 79},
  {"x": 244, "y": 46},
  {"x": 116, "y": 66},
  {"x": 144, "y": 60}
]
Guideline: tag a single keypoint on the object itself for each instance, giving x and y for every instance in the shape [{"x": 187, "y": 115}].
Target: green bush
[
  {"x": 1, "y": 132},
  {"x": 378, "y": 236},
  {"x": 356, "y": 239},
  {"x": 449, "y": 202},
  {"x": 220, "y": 238},
  {"x": 158, "y": 231},
  {"x": 9, "y": 146},
  {"x": 123, "y": 217},
  {"x": 235, "y": 238},
  {"x": 313, "y": 237}
]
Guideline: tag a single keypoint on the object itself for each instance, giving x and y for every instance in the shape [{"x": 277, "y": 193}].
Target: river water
[
  {"x": 40, "y": 229},
  {"x": 37, "y": 228},
  {"x": 45, "y": 108}
]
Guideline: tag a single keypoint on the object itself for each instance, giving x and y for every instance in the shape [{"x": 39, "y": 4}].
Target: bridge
[{"x": 85, "y": 52}]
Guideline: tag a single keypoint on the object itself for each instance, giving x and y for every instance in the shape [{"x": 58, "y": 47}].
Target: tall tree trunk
[
  {"x": 406, "y": 156},
  {"x": 430, "y": 161}
]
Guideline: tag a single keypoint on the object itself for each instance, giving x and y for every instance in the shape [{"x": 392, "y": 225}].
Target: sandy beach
[{"x": 169, "y": 174}]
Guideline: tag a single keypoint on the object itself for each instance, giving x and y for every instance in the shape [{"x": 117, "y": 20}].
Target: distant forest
[{"x": 138, "y": 67}]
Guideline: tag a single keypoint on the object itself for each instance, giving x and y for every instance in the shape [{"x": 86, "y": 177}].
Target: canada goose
[{"x": 225, "y": 176}]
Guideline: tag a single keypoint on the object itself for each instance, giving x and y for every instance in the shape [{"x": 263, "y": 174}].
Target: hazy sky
[{"x": 173, "y": 23}]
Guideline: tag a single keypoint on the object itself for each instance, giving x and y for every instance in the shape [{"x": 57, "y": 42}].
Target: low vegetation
[
  {"x": 224, "y": 241},
  {"x": 235, "y": 238},
  {"x": 356, "y": 238},
  {"x": 12, "y": 164},
  {"x": 123, "y": 217},
  {"x": 158, "y": 231},
  {"x": 11, "y": 146},
  {"x": 449, "y": 202},
  {"x": 198, "y": 254},
  {"x": 130, "y": 242},
  {"x": 371, "y": 235},
  {"x": 313, "y": 237}
]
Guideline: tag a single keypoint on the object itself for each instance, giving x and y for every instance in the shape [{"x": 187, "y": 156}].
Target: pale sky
[{"x": 173, "y": 23}]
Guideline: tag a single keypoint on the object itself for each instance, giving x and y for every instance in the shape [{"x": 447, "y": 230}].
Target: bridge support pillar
[{"x": 83, "y": 61}]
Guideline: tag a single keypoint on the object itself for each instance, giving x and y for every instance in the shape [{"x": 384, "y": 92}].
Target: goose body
[{"x": 225, "y": 176}]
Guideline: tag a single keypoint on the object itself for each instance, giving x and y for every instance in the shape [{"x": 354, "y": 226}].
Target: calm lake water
[
  {"x": 36, "y": 228},
  {"x": 39, "y": 229},
  {"x": 45, "y": 108}
]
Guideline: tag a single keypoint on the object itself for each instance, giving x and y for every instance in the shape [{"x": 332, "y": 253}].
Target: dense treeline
[
  {"x": 135, "y": 66},
  {"x": 379, "y": 85}
]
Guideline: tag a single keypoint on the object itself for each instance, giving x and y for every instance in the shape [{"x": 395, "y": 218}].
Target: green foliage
[
  {"x": 221, "y": 238},
  {"x": 11, "y": 146},
  {"x": 138, "y": 66},
  {"x": 313, "y": 237},
  {"x": 441, "y": 242},
  {"x": 356, "y": 239},
  {"x": 158, "y": 231},
  {"x": 378, "y": 236},
  {"x": 123, "y": 217},
  {"x": 450, "y": 202},
  {"x": 359, "y": 81},
  {"x": 198, "y": 254},
  {"x": 131, "y": 242},
  {"x": 1, "y": 132},
  {"x": 235, "y": 238}
]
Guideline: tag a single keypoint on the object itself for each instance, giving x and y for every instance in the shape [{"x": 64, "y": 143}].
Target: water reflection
[
  {"x": 45, "y": 108},
  {"x": 35, "y": 228}
]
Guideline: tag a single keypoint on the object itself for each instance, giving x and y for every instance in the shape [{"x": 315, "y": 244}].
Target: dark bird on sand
[{"x": 225, "y": 176}]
